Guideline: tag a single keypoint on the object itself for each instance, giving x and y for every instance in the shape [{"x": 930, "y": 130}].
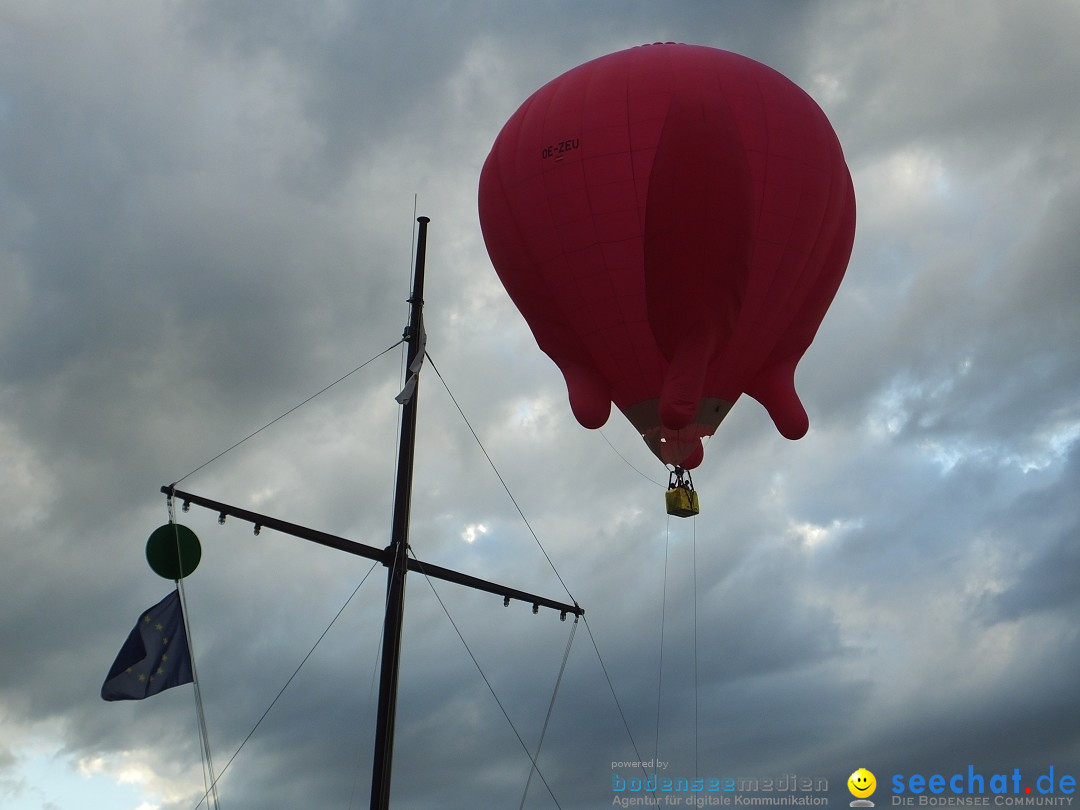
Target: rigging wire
[
  {"x": 209, "y": 781},
  {"x": 551, "y": 706},
  {"x": 287, "y": 683},
  {"x": 374, "y": 673},
  {"x": 392, "y": 572},
  {"x": 392, "y": 569},
  {"x": 291, "y": 410},
  {"x": 611, "y": 687},
  {"x": 592, "y": 638},
  {"x": 200, "y": 713},
  {"x": 501, "y": 479},
  {"x": 484, "y": 676},
  {"x": 367, "y": 712}
]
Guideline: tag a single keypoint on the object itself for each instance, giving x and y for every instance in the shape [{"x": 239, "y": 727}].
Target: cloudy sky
[{"x": 206, "y": 216}]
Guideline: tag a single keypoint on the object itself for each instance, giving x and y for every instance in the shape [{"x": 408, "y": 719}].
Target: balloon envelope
[{"x": 673, "y": 222}]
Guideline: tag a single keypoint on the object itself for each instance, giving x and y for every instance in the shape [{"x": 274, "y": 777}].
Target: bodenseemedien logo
[{"x": 862, "y": 785}]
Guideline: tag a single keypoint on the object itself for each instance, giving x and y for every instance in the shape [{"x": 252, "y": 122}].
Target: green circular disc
[{"x": 173, "y": 551}]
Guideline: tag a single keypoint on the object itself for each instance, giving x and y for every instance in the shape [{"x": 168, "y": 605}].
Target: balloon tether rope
[
  {"x": 663, "y": 617},
  {"x": 627, "y": 461},
  {"x": 696, "y": 715}
]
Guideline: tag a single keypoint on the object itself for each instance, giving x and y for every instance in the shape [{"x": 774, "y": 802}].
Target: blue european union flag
[{"x": 155, "y": 656}]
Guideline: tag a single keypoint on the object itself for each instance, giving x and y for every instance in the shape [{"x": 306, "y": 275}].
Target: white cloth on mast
[{"x": 414, "y": 370}]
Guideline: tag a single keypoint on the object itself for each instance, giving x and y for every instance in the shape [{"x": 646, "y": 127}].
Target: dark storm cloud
[
  {"x": 969, "y": 77},
  {"x": 1043, "y": 525}
]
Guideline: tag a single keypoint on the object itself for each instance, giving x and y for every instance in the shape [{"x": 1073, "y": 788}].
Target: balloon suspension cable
[{"x": 680, "y": 477}]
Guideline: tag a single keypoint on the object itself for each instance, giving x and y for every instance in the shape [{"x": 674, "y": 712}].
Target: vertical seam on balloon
[
  {"x": 583, "y": 350},
  {"x": 825, "y": 229},
  {"x": 749, "y": 315},
  {"x": 604, "y": 336},
  {"x": 773, "y": 281},
  {"x": 784, "y": 296},
  {"x": 585, "y": 179},
  {"x": 831, "y": 222},
  {"x": 558, "y": 88},
  {"x": 769, "y": 359},
  {"x": 541, "y": 280},
  {"x": 642, "y": 382}
]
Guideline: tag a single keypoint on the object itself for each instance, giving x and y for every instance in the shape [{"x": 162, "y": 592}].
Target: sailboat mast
[
  {"x": 382, "y": 765},
  {"x": 395, "y": 556}
]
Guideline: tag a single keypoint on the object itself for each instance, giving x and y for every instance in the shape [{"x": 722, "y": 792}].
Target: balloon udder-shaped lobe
[
  {"x": 774, "y": 387},
  {"x": 590, "y": 394}
]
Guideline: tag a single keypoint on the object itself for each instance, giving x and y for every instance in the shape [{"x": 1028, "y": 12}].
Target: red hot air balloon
[{"x": 672, "y": 221}]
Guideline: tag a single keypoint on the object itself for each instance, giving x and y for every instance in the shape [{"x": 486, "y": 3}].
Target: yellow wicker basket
[{"x": 682, "y": 502}]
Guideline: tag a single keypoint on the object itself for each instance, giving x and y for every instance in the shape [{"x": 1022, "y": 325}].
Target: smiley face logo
[{"x": 862, "y": 783}]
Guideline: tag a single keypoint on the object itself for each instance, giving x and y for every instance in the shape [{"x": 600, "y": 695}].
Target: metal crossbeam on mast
[
  {"x": 382, "y": 555},
  {"x": 395, "y": 556}
]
